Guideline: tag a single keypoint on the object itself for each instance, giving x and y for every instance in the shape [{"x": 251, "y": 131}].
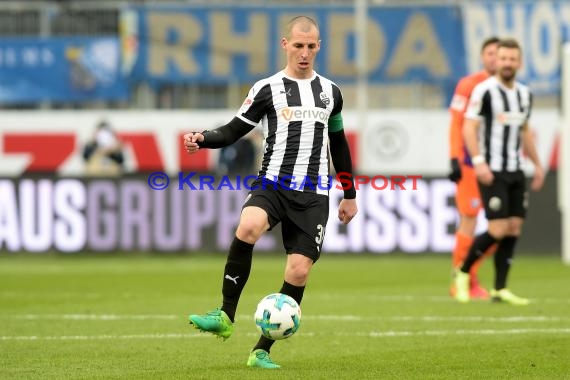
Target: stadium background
[
  {"x": 99, "y": 273},
  {"x": 156, "y": 70}
]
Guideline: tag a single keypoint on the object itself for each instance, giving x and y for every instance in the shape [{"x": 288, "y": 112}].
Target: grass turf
[{"x": 366, "y": 317}]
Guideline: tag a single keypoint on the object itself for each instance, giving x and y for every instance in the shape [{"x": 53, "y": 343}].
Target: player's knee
[
  {"x": 297, "y": 274},
  {"x": 298, "y": 278},
  {"x": 250, "y": 230},
  {"x": 514, "y": 230},
  {"x": 498, "y": 229}
]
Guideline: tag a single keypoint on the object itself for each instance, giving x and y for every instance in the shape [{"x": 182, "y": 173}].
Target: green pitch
[{"x": 364, "y": 317}]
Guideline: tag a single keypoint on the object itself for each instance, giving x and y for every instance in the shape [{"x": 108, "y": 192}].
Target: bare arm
[
  {"x": 530, "y": 149},
  {"x": 470, "y": 135},
  {"x": 528, "y": 145}
]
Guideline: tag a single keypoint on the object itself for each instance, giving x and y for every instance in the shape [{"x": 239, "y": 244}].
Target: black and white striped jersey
[
  {"x": 294, "y": 115},
  {"x": 503, "y": 112}
]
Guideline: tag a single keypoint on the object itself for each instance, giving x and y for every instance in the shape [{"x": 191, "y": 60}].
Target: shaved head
[
  {"x": 304, "y": 23},
  {"x": 301, "y": 44}
]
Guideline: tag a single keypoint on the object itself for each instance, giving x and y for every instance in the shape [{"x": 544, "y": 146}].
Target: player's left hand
[
  {"x": 347, "y": 209},
  {"x": 538, "y": 179}
]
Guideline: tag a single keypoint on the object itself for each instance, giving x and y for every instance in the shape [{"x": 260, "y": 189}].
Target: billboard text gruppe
[{"x": 73, "y": 215}]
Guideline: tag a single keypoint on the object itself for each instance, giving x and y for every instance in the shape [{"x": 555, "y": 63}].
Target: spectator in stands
[{"x": 103, "y": 155}]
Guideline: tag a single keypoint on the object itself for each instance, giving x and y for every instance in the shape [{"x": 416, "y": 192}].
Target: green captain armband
[{"x": 335, "y": 123}]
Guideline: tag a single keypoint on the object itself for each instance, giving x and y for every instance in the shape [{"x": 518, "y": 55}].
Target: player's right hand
[
  {"x": 191, "y": 141},
  {"x": 484, "y": 174},
  {"x": 455, "y": 174}
]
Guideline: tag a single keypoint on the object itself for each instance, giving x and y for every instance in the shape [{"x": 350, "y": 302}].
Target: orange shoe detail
[
  {"x": 476, "y": 291},
  {"x": 479, "y": 292}
]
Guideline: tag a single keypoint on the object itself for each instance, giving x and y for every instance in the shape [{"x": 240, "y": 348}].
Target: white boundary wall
[{"x": 403, "y": 142}]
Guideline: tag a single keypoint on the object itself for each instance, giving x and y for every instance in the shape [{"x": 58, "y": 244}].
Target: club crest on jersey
[
  {"x": 325, "y": 98},
  {"x": 475, "y": 202}
]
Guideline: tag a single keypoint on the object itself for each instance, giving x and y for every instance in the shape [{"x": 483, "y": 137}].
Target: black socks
[
  {"x": 236, "y": 273},
  {"x": 479, "y": 246},
  {"x": 503, "y": 258},
  {"x": 295, "y": 292}
]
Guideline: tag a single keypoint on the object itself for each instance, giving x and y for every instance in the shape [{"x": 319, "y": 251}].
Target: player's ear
[
  {"x": 284, "y": 43},
  {"x": 318, "y": 45}
]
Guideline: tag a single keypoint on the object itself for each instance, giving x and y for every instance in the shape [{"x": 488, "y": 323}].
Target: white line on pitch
[
  {"x": 102, "y": 337},
  {"x": 371, "y": 334},
  {"x": 382, "y": 334},
  {"x": 372, "y": 297},
  {"x": 423, "y": 298},
  {"x": 428, "y": 318},
  {"x": 324, "y": 317},
  {"x": 93, "y": 317}
]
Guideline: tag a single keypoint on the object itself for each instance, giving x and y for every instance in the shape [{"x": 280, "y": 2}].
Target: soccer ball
[{"x": 277, "y": 316}]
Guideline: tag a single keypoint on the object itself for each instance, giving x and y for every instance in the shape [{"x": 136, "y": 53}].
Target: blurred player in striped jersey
[
  {"x": 467, "y": 197},
  {"x": 496, "y": 131}
]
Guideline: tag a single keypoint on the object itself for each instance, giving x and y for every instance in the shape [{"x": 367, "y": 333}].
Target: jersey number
[{"x": 320, "y": 234}]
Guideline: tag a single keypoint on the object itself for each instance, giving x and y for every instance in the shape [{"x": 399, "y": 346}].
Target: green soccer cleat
[
  {"x": 461, "y": 286},
  {"x": 216, "y": 322},
  {"x": 505, "y": 295},
  {"x": 260, "y": 359}
]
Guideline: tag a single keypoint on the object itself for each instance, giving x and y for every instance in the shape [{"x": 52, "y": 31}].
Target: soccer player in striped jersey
[
  {"x": 496, "y": 126},
  {"x": 467, "y": 197},
  {"x": 300, "y": 112}
]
